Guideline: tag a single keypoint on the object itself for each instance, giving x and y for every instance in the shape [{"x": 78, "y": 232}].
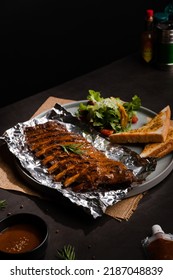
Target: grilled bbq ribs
[{"x": 70, "y": 159}]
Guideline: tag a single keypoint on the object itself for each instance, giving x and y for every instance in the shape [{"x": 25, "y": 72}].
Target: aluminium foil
[{"x": 94, "y": 202}]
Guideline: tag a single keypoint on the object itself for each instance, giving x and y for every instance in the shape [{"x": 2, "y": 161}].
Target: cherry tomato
[
  {"x": 134, "y": 119},
  {"x": 107, "y": 132}
]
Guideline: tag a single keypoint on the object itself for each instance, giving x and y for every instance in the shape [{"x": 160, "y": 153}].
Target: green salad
[{"x": 109, "y": 115}]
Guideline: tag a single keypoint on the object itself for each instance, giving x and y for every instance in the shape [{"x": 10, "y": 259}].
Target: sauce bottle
[
  {"x": 147, "y": 38},
  {"x": 159, "y": 246}
]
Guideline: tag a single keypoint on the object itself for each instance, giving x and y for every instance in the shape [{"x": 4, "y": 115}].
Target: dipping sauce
[
  {"x": 160, "y": 249},
  {"x": 159, "y": 246},
  {"x": 19, "y": 238}
]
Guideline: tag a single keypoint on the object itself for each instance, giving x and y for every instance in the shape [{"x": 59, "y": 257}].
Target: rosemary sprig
[
  {"x": 3, "y": 204},
  {"x": 74, "y": 148},
  {"x": 67, "y": 253}
]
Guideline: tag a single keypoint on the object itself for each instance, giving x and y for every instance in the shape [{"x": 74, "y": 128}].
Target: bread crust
[
  {"x": 154, "y": 131},
  {"x": 159, "y": 150}
]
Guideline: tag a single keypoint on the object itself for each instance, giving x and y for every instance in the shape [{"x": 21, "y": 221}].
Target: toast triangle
[
  {"x": 154, "y": 131},
  {"x": 159, "y": 150}
]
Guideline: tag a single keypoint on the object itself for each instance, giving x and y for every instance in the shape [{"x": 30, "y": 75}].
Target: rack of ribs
[{"x": 70, "y": 159}]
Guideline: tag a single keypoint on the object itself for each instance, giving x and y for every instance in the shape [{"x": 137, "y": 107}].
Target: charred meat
[{"x": 70, "y": 159}]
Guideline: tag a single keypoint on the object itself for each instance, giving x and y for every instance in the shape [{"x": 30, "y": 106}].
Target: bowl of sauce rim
[{"x": 23, "y": 236}]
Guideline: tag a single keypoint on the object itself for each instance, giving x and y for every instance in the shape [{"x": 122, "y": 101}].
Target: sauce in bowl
[
  {"x": 23, "y": 236},
  {"x": 19, "y": 238}
]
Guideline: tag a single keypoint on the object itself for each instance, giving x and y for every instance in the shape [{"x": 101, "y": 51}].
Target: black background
[{"x": 47, "y": 42}]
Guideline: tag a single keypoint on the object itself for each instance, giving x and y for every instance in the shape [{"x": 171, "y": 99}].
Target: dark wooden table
[{"x": 104, "y": 237}]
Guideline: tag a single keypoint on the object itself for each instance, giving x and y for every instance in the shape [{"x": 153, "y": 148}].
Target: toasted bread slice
[
  {"x": 154, "y": 131},
  {"x": 159, "y": 150}
]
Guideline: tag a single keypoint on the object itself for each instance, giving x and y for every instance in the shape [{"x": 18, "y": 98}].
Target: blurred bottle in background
[
  {"x": 160, "y": 17},
  {"x": 164, "y": 38},
  {"x": 147, "y": 38},
  {"x": 169, "y": 10}
]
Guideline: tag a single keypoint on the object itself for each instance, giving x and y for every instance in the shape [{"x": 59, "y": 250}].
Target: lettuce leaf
[{"x": 107, "y": 113}]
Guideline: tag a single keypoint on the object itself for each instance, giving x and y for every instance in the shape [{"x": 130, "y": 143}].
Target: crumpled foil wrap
[{"x": 94, "y": 202}]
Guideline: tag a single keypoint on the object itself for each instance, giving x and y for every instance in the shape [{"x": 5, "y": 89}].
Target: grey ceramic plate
[{"x": 164, "y": 165}]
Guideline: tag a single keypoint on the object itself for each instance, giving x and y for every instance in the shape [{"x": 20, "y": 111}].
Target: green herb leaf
[
  {"x": 67, "y": 252},
  {"x": 94, "y": 95},
  {"x": 3, "y": 204},
  {"x": 74, "y": 148},
  {"x": 133, "y": 105}
]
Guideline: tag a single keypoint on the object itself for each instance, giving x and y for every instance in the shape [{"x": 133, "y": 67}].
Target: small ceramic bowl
[{"x": 23, "y": 236}]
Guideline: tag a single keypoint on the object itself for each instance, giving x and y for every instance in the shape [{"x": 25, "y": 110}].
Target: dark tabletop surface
[{"x": 103, "y": 237}]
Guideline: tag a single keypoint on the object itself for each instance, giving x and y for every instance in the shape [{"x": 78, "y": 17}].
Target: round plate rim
[{"x": 148, "y": 184}]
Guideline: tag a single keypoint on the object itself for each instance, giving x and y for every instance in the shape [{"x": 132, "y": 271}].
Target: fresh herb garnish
[
  {"x": 3, "y": 204},
  {"x": 74, "y": 148},
  {"x": 67, "y": 252}
]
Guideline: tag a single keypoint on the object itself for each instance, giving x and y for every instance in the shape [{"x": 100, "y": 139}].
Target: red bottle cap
[{"x": 150, "y": 13}]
